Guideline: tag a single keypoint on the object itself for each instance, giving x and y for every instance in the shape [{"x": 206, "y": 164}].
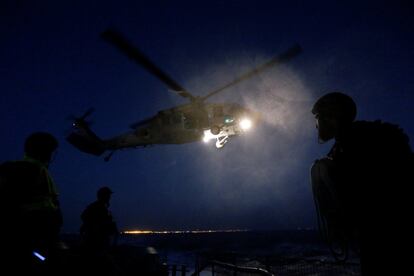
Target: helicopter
[{"x": 194, "y": 121}]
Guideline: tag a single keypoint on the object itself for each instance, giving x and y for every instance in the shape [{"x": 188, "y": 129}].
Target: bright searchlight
[
  {"x": 208, "y": 136},
  {"x": 245, "y": 124}
]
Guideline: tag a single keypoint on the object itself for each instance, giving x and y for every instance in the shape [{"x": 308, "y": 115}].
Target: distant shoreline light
[{"x": 144, "y": 232}]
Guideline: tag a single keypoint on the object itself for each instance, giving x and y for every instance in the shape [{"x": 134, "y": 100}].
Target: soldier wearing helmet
[
  {"x": 98, "y": 225},
  {"x": 366, "y": 169},
  {"x": 334, "y": 113}
]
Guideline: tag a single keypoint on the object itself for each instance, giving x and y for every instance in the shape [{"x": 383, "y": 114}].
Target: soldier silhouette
[
  {"x": 29, "y": 206},
  {"x": 98, "y": 226},
  {"x": 361, "y": 186}
]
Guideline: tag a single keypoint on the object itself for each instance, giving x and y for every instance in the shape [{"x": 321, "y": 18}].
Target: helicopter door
[
  {"x": 202, "y": 120},
  {"x": 217, "y": 120},
  {"x": 177, "y": 119},
  {"x": 189, "y": 121},
  {"x": 218, "y": 112},
  {"x": 165, "y": 119}
]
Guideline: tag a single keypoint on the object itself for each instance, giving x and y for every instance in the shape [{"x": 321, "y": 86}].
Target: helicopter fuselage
[
  {"x": 195, "y": 121},
  {"x": 185, "y": 124}
]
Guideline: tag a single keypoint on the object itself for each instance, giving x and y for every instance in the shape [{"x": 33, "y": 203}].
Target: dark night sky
[{"x": 53, "y": 64}]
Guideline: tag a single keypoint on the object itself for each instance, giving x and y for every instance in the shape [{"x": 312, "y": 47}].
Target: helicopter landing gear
[
  {"x": 215, "y": 130},
  {"x": 221, "y": 141}
]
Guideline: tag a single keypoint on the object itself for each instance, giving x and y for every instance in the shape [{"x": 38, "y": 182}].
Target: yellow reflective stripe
[
  {"x": 50, "y": 183},
  {"x": 47, "y": 201}
]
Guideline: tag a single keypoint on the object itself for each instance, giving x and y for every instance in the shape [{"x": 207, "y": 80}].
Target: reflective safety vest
[
  {"x": 35, "y": 188},
  {"x": 47, "y": 198}
]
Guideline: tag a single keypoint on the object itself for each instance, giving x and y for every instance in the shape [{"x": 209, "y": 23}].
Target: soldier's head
[
  {"x": 333, "y": 112},
  {"x": 40, "y": 146},
  {"x": 104, "y": 194}
]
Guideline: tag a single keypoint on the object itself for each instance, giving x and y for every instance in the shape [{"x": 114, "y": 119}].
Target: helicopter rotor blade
[
  {"x": 82, "y": 119},
  {"x": 284, "y": 57},
  {"x": 88, "y": 112},
  {"x": 119, "y": 41}
]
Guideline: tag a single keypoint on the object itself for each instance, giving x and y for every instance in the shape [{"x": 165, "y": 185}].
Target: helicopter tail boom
[
  {"x": 84, "y": 139},
  {"x": 86, "y": 144}
]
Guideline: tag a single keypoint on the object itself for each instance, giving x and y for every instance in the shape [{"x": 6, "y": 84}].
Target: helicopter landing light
[
  {"x": 245, "y": 124},
  {"x": 208, "y": 136}
]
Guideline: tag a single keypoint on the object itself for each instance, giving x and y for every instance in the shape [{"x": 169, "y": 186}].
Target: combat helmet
[
  {"x": 40, "y": 145},
  {"x": 336, "y": 105}
]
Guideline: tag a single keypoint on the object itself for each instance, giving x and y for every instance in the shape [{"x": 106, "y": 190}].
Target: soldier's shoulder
[
  {"x": 18, "y": 170},
  {"x": 17, "y": 164}
]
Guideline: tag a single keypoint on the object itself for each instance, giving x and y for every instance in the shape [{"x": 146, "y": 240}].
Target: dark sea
[{"x": 293, "y": 252}]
